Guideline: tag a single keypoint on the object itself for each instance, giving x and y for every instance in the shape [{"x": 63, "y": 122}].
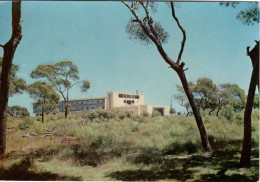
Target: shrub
[
  {"x": 177, "y": 148},
  {"x": 228, "y": 112},
  {"x": 27, "y": 122},
  {"x": 156, "y": 114}
]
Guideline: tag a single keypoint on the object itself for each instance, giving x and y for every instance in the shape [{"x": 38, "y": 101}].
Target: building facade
[{"x": 134, "y": 103}]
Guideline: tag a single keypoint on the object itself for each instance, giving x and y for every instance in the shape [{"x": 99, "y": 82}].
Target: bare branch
[
  {"x": 136, "y": 5},
  {"x": 183, "y": 33},
  {"x": 1, "y": 46},
  {"x": 145, "y": 29},
  {"x": 75, "y": 84},
  {"x": 150, "y": 21},
  {"x": 147, "y": 4},
  {"x": 158, "y": 45}
]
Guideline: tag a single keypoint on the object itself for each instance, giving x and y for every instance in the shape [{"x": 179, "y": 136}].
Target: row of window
[
  {"x": 84, "y": 108},
  {"x": 128, "y": 96},
  {"x": 39, "y": 111},
  {"x": 84, "y": 102},
  {"x": 129, "y": 101}
]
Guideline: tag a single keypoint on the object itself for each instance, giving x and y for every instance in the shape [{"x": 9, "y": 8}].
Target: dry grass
[{"x": 118, "y": 146}]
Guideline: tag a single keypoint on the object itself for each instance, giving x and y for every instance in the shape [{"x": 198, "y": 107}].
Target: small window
[
  {"x": 128, "y": 96},
  {"x": 120, "y": 95},
  {"x": 133, "y": 96},
  {"x": 129, "y": 102},
  {"x": 133, "y": 101},
  {"x": 137, "y": 96},
  {"x": 124, "y": 95},
  {"x": 124, "y": 101}
]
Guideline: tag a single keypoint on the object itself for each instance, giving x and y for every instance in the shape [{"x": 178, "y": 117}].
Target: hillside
[{"x": 101, "y": 145}]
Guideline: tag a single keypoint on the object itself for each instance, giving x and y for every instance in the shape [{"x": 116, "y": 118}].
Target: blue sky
[{"x": 92, "y": 35}]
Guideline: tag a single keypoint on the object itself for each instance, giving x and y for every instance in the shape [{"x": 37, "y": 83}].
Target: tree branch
[
  {"x": 150, "y": 21},
  {"x": 158, "y": 45},
  {"x": 1, "y": 46},
  {"x": 183, "y": 33}
]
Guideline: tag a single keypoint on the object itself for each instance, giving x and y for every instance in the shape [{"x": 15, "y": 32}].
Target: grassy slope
[{"x": 118, "y": 146}]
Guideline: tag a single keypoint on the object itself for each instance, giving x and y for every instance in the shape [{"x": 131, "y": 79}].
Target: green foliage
[
  {"x": 167, "y": 145},
  {"x": 18, "y": 111},
  {"x": 172, "y": 111},
  {"x": 27, "y": 123},
  {"x": 249, "y": 15},
  {"x": 228, "y": 112},
  {"x": 180, "y": 148},
  {"x": 156, "y": 114},
  {"x": 144, "y": 29},
  {"x": 212, "y": 97},
  {"x": 62, "y": 76},
  {"x": 136, "y": 32},
  {"x": 18, "y": 85},
  {"x": 45, "y": 96}
]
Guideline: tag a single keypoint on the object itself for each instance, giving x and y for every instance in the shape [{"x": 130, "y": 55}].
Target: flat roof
[
  {"x": 84, "y": 99},
  {"x": 126, "y": 93}
]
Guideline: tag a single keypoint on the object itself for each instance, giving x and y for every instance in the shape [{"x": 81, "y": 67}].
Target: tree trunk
[
  {"x": 42, "y": 115},
  {"x": 195, "y": 110},
  {"x": 43, "y": 109},
  {"x": 66, "y": 109},
  {"x": 246, "y": 150},
  {"x": 9, "y": 50}
]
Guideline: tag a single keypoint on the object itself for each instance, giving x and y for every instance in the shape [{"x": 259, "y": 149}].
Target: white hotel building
[{"x": 134, "y": 103}]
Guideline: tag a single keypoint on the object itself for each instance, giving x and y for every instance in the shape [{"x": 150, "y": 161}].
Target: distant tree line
[{"x": 215, "y": 98}]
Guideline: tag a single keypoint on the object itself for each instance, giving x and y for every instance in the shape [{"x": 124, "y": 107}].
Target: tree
[
  {"x": 172, "y": 111},
  {"x": 212, "y": 97},
  {"x": 182, "y": 98},
  {"x": 248, "y": 16},
  {"x": 18, "y": 111},
  {"x": 9, "y": 51},
  {"x": 233, "y": 95},
  {"x": 148, "y": 31},
  {"x": 246, "y": 150},
  {"x": 17, "y": 85},
  {"x": 62, "y": 76},
  {"x": 46, "y": 97},
  {"x": 204, "y": 92}
]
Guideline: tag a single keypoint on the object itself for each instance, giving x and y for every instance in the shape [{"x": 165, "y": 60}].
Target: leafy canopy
[
  {"x": 18, "y": 111},
  {"x": 208, "y": 95},
  {"x": 44, "y": 95},
  {"x": 248, "y": 16},
  {"x": 135, "y": 30},
  {"x": 18, "y": 85},
  {"x": 62, "y": 76}
]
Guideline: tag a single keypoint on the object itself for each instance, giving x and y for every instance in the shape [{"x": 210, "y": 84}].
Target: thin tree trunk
[
  {"x": 43, "y": 109},
  {"x": 9, "y": 50},
  {"x": 66, "y": 109},
  {"x": 195, "y": 110},
  {"x": 177, "y": 66},
  {"x": 247, "y": 144},
  {"x": 42, "y": 114}
]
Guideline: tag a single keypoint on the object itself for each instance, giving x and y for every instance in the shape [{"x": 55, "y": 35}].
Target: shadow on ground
[
  {"x": 25, "y": 170},
  {"x": 220, "y": 165}
]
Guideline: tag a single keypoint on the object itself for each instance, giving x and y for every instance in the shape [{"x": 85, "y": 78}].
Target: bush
[
  {"x": 177, "y": 148},
  {"x": 228, "y": 112},
  {"x": 27, "y": 122},
  {"x": 156, "y": 114}
]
